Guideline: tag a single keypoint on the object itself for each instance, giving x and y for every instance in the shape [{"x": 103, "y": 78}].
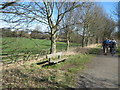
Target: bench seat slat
[
  {"x": 57, "y": 61},
  {"x": 60, "y": 60}
]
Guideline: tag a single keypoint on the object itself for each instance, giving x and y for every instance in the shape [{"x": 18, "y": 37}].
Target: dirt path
[{"x": 102, "y": 72}]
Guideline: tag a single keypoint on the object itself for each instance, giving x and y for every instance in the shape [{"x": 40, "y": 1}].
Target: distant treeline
[
  {"x": 61, "y": 35},
  {"x": 35, "y": 34}
]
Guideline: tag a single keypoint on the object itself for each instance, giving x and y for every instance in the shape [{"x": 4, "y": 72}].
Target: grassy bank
[
  {"x": 20, "y": 45},
  {"x": 118, "y": 50},
  {"x": 94, "y": 50},
  {"x": 61, "y": 75}
]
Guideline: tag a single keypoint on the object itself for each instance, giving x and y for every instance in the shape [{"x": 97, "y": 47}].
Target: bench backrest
[{"x": 59, "y": 54}]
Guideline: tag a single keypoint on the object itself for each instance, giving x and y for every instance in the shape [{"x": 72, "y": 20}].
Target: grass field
[
  {"x": 20, "y": 45},
  {"x": 17, "y": 49}
]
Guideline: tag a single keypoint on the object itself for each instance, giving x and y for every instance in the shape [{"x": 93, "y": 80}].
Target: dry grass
[{"x": 32, "y": 77}]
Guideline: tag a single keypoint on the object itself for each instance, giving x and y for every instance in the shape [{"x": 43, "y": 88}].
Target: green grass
[
  {"x": 20, "y": 45},
  {"x": 24, "y": 45},
  {"x": 60, "y": 75},
  {"x": 94, "y": 50},
  {"x": 27, "y": 49},
  {"x": 118, "y": 50},
  {"x": 71, "y": 66},
  {"x": 74, "y": 61},
  {"x": 33, "y": 76}
]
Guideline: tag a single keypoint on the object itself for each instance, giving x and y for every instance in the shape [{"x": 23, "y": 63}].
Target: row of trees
[
  {"x": 35, "y": 34},
  {"x": 91, "y": 24},
  {"x": 86, "y": 22}
]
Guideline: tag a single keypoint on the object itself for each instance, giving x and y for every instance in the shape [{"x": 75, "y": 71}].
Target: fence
[{"x": 7, "y": 59}]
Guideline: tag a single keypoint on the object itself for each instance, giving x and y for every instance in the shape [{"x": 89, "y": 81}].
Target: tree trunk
[
  {"x": 88, "y": 41},
  {"x": 88, "y": 38},
  {"x": 98, "y": 41},
  {"x": 83, "y": 37},
  {"x": 68, "y": 44},
  {"x": 83, "y": 41},
  {"x": 67, "y": 38},
  {"x": 53, "y": 42}
]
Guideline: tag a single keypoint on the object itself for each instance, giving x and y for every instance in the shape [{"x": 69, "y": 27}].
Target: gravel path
[{"x": 102, "y": 72}]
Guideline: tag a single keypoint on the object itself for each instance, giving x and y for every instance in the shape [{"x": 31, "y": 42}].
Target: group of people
[{"x": 109, "y": 45}]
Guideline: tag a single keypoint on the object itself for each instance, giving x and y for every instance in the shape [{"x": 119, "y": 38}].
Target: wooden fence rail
[{"x": 8, "y": 59}]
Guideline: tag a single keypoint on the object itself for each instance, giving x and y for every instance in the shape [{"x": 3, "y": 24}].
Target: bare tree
[
  {"x": 49, "y": 13},
  {"x": 5, "y": 5},
  {"x": 117, "y": 13},
  {"x": 83, "y": 18},
  {"x": 67, "y": 23},
  {"x": 94, "y": 22}
]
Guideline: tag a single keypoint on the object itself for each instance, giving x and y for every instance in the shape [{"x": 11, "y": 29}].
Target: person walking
[
  {"x": 113, "y": 46},
  {"x": 105, "y": 45}
]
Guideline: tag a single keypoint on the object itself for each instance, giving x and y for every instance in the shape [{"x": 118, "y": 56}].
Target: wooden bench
[{"x": 55, "y": 58}]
